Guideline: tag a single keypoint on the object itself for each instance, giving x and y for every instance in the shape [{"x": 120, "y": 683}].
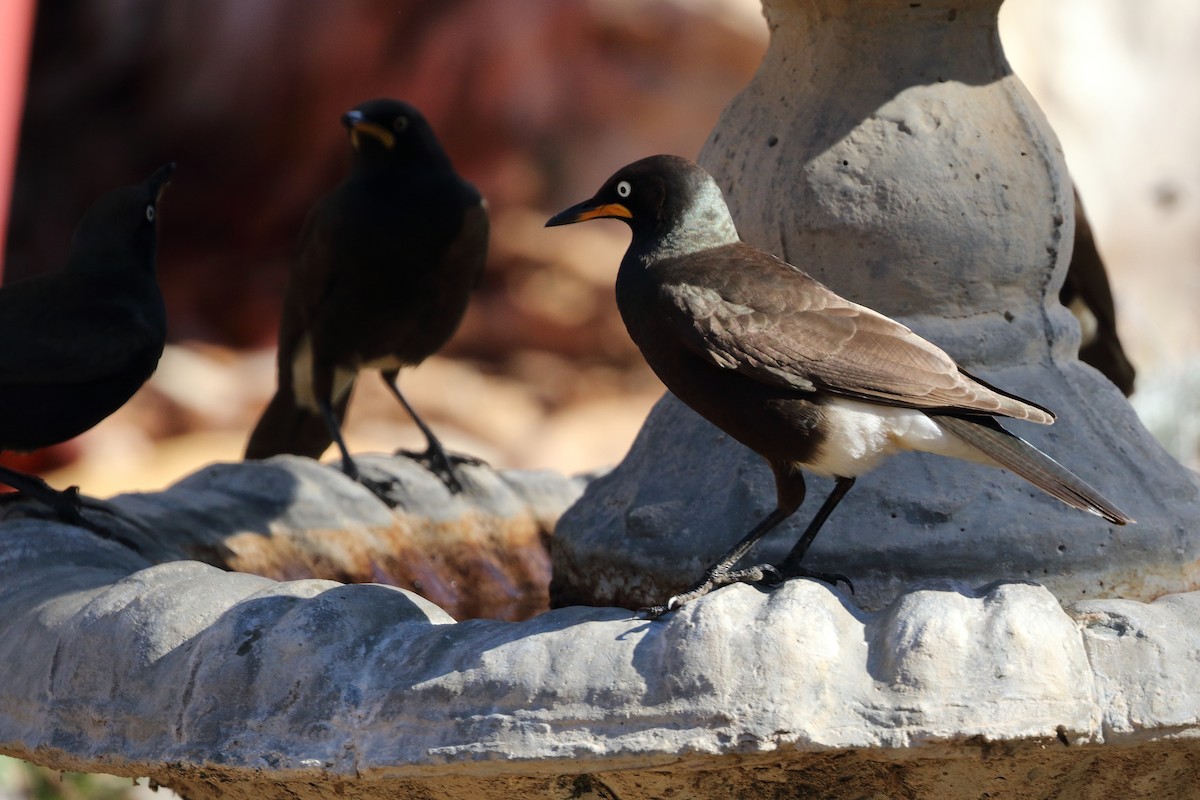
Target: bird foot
[
  {"x": 786, "y": 571},
  {"x": 442, "y": 464},
  {"x": 383, "y": 487},
  {"x": 759, "y": 573},
  {"x": 67, "y": 506},
  {"x": 713, "y": 580}
]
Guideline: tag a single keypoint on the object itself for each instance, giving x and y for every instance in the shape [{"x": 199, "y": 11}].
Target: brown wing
[{"x": 771, "y": 322}]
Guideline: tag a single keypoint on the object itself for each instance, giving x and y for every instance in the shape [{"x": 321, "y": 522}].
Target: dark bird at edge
[
  {"x": 1088, "y": 294},
  {"x": 81, "y": 341},
  {"x": 805, "y": 378},
  {"x": 386, "y": 265}
]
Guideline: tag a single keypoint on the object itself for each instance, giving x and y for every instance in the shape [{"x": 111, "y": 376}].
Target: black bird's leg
[
  {"x": 382, "y": 490},
  {"x": 719, "y": 574},
  {"x": 435, "y": 458},
  {"x": 335, "y": 430},
  {"x": 67, "y": 503}
]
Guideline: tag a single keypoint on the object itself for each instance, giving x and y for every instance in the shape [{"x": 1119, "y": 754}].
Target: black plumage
[
  {"x": 386, "y": 265},
  {"x": 80, "y": 341},
  {"x": 803, "y": 377}
]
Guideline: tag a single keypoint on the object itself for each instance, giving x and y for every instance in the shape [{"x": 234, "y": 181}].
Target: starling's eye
[
  {"x": 400, "y": 124},
  {"x": 150, "y": 213},
  {"x": 623, "y": 189}
]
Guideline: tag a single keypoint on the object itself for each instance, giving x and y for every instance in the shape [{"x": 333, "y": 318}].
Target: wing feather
[{"x": 756, "y": 314}]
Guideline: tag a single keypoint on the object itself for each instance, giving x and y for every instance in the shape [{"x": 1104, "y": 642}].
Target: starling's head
[
  {"x": 389, "y": 130},
  {"x": 672, "y": 205},
  {"x": 122, "y": 226}
]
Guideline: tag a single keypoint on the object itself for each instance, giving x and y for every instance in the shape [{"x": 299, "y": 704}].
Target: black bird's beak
[
  {"x": 359, "y": 126},
  {"x": 159, "y": 180},
  {"x": 589, "y": 209}
]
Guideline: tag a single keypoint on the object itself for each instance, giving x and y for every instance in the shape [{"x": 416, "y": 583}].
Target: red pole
[{"x": 16, "y": 34}]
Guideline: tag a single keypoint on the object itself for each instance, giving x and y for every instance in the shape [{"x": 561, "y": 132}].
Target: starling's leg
[
  {"x": 435, "y": 458},
  {"x": 790, "y": 567},
  {"x": 719, "y": 574}
]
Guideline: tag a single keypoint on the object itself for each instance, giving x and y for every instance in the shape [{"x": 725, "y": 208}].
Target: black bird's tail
[
  {"x": 288, "y": 428},
  {"x": 1022, "y": 458}
]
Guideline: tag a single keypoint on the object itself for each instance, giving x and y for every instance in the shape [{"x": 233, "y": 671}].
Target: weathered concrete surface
[
  {"x": 887, "y": 149},
  {"x": 481, "y": 553},
  {"x": 231, "y": 685}
]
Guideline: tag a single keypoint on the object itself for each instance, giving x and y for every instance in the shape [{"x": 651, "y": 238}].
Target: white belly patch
[
  {"x": 302, "y": 378},
  {"x": 861, "y": 435}
]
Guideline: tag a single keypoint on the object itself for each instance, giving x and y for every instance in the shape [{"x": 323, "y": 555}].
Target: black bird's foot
[
  {"x": 71, "y": 506},
  {"x": 385, "y": 490},
  {"x": 440, "y": 463},
  {"x": 383, "y": 487},
  {"x": 714, "y": 579},
  {"x": 66, "y": 504}
]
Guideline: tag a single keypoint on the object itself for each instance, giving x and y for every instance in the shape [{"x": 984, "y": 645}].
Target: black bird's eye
[
  {"x": 400, "y": 124},
  {"x": 150, "y": 213},
  {"x": 623, "y": 189}
]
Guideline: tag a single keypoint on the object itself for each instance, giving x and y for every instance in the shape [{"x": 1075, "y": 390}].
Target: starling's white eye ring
[
  {"x": 150, "y": 213},
  {"x": 623, "y": 189}
]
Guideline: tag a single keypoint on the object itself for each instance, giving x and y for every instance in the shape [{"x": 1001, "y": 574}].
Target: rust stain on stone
[{"x": 475, "y": 566}]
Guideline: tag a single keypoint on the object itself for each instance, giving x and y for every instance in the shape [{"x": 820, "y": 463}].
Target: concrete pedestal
[{"x": 887, "y": 149}]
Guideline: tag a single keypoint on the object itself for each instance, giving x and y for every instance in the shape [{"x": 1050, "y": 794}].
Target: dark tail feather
[
  {"x": 287, "y": 428},
  {"x": 1022, "y": 458}
]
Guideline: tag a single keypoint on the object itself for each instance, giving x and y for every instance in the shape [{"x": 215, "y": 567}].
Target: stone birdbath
[{"x": 999, "y": 646}]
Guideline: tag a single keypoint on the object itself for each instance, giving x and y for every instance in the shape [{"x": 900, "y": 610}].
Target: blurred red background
[{"x": 537, "y": 101}]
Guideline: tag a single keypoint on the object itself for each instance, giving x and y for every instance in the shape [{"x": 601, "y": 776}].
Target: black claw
[
  {"x": 442, "y": 464},
  {"x": 381, "y": 489},
  {"x": 832, "y": 578}
]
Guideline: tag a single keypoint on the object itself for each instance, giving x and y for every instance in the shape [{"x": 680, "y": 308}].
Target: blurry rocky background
[{"x": 537, "y": 102}]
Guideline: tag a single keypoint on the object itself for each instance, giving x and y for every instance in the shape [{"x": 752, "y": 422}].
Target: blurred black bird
[
  {"x": 803, "y": 377},
  {"x": 79, "y": 342},
  {"x": 1087, "y": 293},
  {"x": 387, "y": 262}
]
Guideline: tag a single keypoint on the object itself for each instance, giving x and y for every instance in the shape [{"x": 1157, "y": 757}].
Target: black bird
[
  {"x": 79, "y": 342},
  {"x": 1087, "y": 293},
  {"x": 386, "y": 265},
  {"x": 803, "y": 377}
]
